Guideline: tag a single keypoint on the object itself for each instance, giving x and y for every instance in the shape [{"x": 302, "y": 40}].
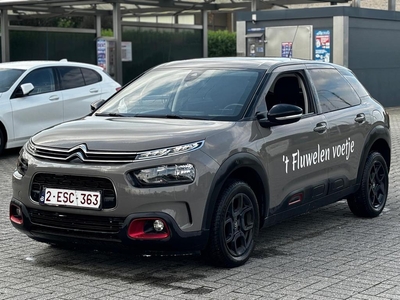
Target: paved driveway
[{"x": 326, "y": 254}]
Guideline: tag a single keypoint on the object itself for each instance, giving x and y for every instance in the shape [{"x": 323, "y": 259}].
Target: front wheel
[
  {"x": 234, "y": 226},
  {"x": 370, "y": 199}
]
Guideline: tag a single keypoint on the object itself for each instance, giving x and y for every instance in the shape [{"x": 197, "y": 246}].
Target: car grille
[
  {"x": 42, "y": 181},
  {"x": 75, "y": 225},
  {"x": 80, "y": 153}
]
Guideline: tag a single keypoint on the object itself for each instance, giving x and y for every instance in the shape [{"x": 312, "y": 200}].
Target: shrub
[{"x": 221, "y": 43}]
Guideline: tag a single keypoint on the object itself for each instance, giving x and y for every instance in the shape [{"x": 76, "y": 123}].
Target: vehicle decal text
[{"x": 298, "y": 160}]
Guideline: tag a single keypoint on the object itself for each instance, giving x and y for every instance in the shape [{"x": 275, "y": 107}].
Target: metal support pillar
[
  {"x": 118, "y": 37},
  {"x": 254, "y": 5},
  {"x": 355, "y": 3},
  {"x": 392, "y": 5},
  {"x": 98, "y": 26},
  {"x": 205, "y": 33},
  {"x": 341, "y": 40},
  {"x": 5, "y": 37}
]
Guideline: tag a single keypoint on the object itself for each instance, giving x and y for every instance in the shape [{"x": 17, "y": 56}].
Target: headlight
[
  {"x": 169, "y": 151},
  {"x": 22, "y": 163},
  {"x": 166, "y": 175}
]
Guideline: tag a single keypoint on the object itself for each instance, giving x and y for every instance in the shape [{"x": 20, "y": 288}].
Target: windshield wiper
[
  {"x": 174, "y": 117},
  {"x": 110, "y": 115},
  {"x": 159, "y": 116}
]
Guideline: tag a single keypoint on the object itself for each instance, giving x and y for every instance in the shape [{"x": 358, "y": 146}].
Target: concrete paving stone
[
  {"x": 321, "y": 297},
  {"x": 184, "y": 285},
  {"x": 49, "y": 296},
  {"x": 369, "y": 297},
  {"x": 205, "y": 283},
  {"x": 235, "y": 295},
  {"x": 378, "y": 289},
  {"x": 164, "y": 297},
  {"x": 128, "y": 293}
]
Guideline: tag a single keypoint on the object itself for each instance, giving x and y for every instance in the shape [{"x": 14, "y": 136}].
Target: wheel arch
[
  {"x": 245, "y": 167},
  {"x": 378, "y": 140},
  {"x": 3, "y": 129}
]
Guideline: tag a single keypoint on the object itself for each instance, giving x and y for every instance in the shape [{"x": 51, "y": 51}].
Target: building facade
[{"x": 372, "y": 4}]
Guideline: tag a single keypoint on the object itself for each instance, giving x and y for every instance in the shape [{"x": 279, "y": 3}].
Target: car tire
[
  {"x": 2, "y": 141},
  {"x": 235, "y": 224},
  {"x": 370, "y": 199}
]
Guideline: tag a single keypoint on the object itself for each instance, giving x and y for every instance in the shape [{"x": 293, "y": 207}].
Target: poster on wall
[
  {"x": 101, "y": 53},
  {"x": 287, "y": 49},
  {"x": 322, "y": 46},
  {"x": 126, "y": 51}
]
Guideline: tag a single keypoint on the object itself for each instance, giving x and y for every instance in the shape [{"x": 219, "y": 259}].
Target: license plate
[{"x": 74, "y": 198}]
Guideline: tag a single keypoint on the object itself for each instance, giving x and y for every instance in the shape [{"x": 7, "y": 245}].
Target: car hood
[{"x": 128, "y": 134}]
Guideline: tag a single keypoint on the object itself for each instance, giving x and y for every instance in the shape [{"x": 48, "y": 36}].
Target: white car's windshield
[
  {"x": 8, "y": 77},
  {"x": 219, "y": 94}
]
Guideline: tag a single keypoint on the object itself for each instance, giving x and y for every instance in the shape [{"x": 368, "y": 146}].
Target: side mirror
[
  {"x": 280, "y": 114},
  {"x": 96, "y": 104},
  {"x": 27, "y": 88},
  {"x": 23, "y": 90}
]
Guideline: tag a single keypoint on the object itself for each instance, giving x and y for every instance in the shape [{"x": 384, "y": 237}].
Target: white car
[{"x": 35, "y": 95}]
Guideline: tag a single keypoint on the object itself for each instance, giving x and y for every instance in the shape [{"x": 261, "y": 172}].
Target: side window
[
  {"x": 71, "y": 77},
  {"x": 356, "y": 85},
  {"x": 334, "y": 92},
  {"x": 289, "y": 88},
  {"x": 90, "y": 76},
  {"x": 42, "y": 80}
]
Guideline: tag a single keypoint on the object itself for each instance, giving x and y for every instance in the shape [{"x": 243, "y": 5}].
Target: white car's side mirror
[{"x": 27, "y": 88}]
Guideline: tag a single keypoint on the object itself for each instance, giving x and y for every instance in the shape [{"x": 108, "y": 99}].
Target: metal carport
[{"x": 19, "y": 9}]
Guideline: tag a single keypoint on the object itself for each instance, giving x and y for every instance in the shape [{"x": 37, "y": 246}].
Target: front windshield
[
  {"x": 186, "y": 93},
  {"x": 8, "y": 77}
]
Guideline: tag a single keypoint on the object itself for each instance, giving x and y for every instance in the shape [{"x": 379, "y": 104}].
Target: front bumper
[{"x": 68, "y": 228}]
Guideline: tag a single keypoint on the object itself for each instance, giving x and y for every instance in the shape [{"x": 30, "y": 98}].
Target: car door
[
  {"x": 346, "y": 118},
  {"x": 295, "y": 154},
  {"x": 41, "y": 108},
  {"x": 80, "y": 88}
]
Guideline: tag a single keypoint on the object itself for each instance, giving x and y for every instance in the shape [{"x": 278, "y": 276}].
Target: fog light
[
  {"x": 158, "y": 225},
  {"x": 16, "y": 214},
  {"x": 148, "y": 229}
]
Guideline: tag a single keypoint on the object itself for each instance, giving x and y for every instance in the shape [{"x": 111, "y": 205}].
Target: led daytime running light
[{"x": 169, "y": 151}]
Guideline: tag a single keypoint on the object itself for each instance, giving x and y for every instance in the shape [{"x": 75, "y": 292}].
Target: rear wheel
[
  {"x": 370, "y": 199},
  {"x": 235, "y": 224}
]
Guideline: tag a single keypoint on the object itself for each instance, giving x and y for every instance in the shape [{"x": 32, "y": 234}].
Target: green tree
[{"x": 221, "y": 43}]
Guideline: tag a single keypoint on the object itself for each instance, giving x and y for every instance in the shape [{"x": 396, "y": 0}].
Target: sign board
[
  {"x": 322, "y": 45},
  {"x": 126, "y": 51}
]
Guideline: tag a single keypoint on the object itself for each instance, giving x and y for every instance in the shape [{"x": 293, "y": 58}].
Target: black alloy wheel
[
  {"x": 370, "y": 199},
  {"x": 234, "y": 226},
  {"x": 239, "y": 225}
]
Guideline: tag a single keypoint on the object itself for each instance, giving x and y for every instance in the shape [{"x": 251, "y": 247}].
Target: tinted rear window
[
  {"x": 334, "y": 92},
  {"x": 71, "y": 77},
  {"x": 90, "y": 76}
]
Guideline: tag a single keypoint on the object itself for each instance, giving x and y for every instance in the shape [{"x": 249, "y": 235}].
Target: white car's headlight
[{"x": 166, "y": 175}]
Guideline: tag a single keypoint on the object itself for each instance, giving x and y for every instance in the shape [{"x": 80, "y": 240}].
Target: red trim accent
[
  {"x": 296, "y": 199},
  {"x": 13, "y": 217},
  {"x": 16, "y": 220},
  {"x": 136, "y": 230}
]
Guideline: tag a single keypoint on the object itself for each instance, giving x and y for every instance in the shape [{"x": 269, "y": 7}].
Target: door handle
[
  {"x": 320, "y": 128},
  {"x": 360, "y": 118},
  {"x": 94, "y": 90},
  {"x": 53, "y": 98}
]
